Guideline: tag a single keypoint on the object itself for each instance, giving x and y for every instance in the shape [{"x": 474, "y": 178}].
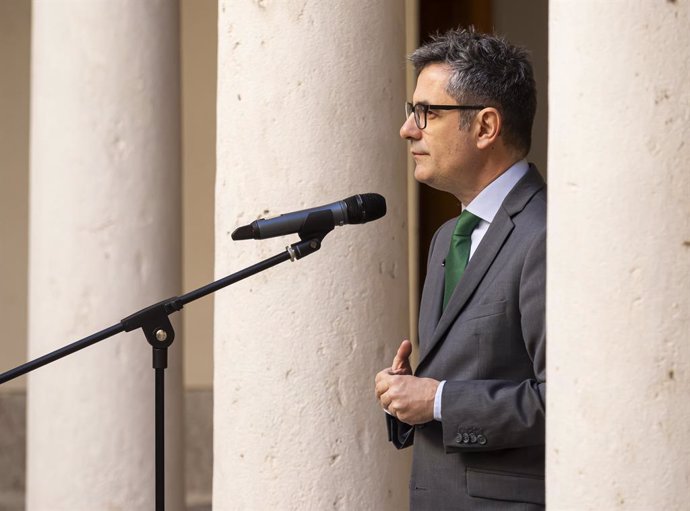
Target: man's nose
[{"x": 409, "y": 129}]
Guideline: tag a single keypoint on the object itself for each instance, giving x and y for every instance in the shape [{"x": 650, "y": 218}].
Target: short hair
[{"x": 486, "y": 69}]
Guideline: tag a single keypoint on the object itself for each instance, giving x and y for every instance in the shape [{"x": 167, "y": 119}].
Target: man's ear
[{"x": 488, "y": 124}]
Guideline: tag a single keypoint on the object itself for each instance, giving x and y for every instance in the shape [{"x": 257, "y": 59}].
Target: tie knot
[{"x": 466, "y": 224}]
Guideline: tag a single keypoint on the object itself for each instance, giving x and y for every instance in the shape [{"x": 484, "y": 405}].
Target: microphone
[{"x": 357, "y": 209}]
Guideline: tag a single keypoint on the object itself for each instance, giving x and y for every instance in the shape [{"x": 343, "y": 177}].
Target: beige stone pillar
[
  {"x": 104, "y": 242},
  {"x": 15, "y": 48},
  {"x": 310, "y": 97},
  {"x": 619, "y": 247}
]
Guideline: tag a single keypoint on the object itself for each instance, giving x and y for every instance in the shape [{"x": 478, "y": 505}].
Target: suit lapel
[
  {"x": 476, "y": 269},
  {"x": 484, "y": 256},
  {"x": 432, "y": 296}
]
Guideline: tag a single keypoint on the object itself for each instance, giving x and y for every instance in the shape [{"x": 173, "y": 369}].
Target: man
[{"x": 475, "y": 407}]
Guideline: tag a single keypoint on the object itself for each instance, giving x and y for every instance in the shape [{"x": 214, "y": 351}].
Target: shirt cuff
[{"x": 437, "y": 401}]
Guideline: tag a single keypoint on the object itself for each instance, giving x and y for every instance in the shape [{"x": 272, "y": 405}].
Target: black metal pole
[
  {"x": 160, "y": 439},
  {"x": 231, "y": 279},
  {"x": 293, "y": 252},
  {"x": 62, "y": 352},
  {"x": 155, "y": 324}
]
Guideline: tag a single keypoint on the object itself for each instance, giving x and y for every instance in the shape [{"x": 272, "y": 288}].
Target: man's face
[{"x": 442, "y": 151}]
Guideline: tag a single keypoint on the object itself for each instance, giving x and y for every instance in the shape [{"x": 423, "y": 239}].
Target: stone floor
[{"x": 198, "y": 445}]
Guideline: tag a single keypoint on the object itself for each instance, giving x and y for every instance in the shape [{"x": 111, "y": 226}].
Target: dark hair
[{"x": 486, "y": 69}]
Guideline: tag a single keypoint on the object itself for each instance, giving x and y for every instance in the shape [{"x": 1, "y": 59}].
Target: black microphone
[{"x": 357, "y": 209}]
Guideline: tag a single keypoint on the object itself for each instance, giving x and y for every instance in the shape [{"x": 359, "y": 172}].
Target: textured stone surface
[
  {"x": 198, "y": 449},
  {"x": 12, "y": 450},
  {"x": 309, "y": 108},
  {"x": 15, "y": 53},
  {"x": 619, "y": 246},
  {"x": 104, "y": 242}
]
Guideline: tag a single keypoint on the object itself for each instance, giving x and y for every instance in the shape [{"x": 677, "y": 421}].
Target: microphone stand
[{"x": 159, "y": 333}]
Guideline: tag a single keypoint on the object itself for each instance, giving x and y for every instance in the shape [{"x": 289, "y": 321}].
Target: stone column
[
  {"x": 309, "y": 107},
  {"x": 15, "y": 51},
  {"x": 104, "y": 242},
  {"x": 619, "y": 247}
]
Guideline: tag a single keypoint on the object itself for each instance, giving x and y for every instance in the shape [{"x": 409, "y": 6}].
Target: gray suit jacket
[{"x": 490, "y": 345}]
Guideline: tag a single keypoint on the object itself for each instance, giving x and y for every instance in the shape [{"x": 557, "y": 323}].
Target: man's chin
[
  {"x": 422, "y": 176},
  {"x": 426, "y": 178}
]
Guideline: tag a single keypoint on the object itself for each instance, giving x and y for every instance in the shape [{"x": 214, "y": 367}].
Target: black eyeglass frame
[{"x": 417, "y": 108}]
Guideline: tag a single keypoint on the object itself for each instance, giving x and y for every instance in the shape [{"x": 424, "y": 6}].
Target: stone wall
[{"x": 198, "y": 449}]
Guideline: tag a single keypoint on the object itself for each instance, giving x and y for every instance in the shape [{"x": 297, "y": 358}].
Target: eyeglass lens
[{"x": 419, "y": 111}]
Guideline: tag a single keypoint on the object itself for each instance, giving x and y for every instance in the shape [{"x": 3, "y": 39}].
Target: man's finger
[
  {"x": 383, "y": 376},
  {"x": 381, "y": 387},
  {"x": 385, "y": 401},
  {"x": 401, "y": 360}
]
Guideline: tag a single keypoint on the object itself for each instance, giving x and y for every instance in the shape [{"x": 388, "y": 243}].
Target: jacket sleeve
[{"x": 502, "y": 414}]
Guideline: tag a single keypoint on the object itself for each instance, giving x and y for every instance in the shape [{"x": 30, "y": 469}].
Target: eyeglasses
[{"x": 421, "y": 110}]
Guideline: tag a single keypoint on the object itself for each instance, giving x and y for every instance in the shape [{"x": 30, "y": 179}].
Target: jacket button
[{"x": 481, "y": 439}]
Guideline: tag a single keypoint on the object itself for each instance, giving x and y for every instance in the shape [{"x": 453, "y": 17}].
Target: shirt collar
[{"x": 486, "y": 204}]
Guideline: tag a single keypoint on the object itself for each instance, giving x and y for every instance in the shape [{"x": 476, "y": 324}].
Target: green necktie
[{"x": 459, "y": 252}]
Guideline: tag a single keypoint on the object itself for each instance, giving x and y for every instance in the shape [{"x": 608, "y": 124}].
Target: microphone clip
[
  {"x": 312, "y": 233},
  {"x": 317, "y": 225}
]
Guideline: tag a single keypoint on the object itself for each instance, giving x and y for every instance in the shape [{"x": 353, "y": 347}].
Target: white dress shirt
[{"x": 485, "y": 206}]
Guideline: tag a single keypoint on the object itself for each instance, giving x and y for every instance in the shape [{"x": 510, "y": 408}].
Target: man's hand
[{"x": 404, "y": 396}]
